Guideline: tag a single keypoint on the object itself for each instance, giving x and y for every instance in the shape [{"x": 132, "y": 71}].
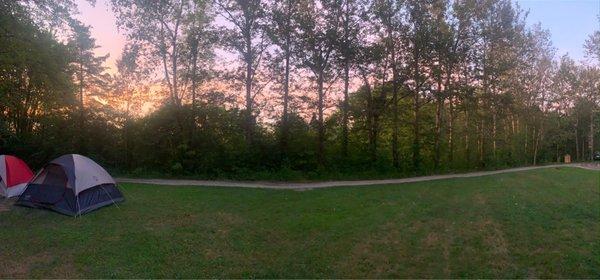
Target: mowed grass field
[{"x": 542, "y": 223}]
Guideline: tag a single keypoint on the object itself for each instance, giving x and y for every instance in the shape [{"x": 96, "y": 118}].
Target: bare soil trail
[{"x": 329, "y": 184}]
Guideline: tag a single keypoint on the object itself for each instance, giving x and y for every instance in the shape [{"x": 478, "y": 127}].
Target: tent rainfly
[
  {"x": 14, "y": 175},
  {"x": 72, "y": 185}
]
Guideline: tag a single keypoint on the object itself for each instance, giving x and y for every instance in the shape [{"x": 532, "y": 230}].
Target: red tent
[{"x": 14, "y": 175}]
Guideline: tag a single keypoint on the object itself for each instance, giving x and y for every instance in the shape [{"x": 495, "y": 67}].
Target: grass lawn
[{"x": 541, "y": 223}]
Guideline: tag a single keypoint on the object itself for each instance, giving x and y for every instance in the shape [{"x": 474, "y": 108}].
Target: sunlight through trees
[{"x": 296, "y": 89}]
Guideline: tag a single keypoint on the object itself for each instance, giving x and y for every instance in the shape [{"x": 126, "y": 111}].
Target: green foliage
[
  {"x": 475, "y": 89},
  {"x": 35, "y": 82}
]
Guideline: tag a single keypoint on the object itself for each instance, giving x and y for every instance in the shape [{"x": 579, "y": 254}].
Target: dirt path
[{"x": 328, "y": 184}]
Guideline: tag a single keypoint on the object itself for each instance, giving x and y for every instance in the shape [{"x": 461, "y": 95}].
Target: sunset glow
[{"x": 299, "y": 139}]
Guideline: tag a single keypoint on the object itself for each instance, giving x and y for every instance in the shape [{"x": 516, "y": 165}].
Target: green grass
[
  {"x": 321, "y": 174},
  {"x": 542, "y": 223}
]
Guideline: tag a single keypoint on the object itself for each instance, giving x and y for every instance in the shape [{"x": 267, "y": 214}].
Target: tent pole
[{"x": 113, "y": 201}]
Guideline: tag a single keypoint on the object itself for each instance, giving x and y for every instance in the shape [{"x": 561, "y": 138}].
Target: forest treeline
[{"x": 295, "y": 89}]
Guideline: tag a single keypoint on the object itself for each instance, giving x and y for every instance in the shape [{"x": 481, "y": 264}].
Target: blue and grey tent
[{"x": 72, "y": 185}]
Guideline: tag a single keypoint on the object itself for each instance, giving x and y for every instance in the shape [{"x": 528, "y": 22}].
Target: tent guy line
[{"x": 329, "y": 184}]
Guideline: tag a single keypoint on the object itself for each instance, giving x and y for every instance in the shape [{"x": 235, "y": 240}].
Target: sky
[
  {"x": 104, "y": 29},
  {"x": 570, "y": 23}
]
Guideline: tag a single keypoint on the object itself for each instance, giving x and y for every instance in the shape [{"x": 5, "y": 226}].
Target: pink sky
[
  {"x": 104, "y": 29},
  {"x": 560, "y": 17},
  {"x": 570, "y": 23}
]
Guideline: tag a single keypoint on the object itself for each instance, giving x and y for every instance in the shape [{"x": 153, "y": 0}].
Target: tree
[
  {"x": 200, "y": 39},
  {"x": 158, "y": 28},
  {"x": 566, "y": 87},
  {"x": 388, "y": 16},
  {"x": 129, "y": 94},
  {"x": 455, "y": 35},
  {"x": 349, "y": 12},
  {"x": 88, "y": 70},
  {"x": 419, "y": 14},
  {"x": 500, "y": 27},
  {"x": 282, "y": 32},
  {"x": 454, "y": 84},
  {"x": 534, "y": 90},
  {"x": 443, "y": 57},
  {"x": 592, "y": 47},
  {"x": 317, "y": 24},
  {"x": 373, "y": 67},
  {"x": 590, "y": 90},
  {"x": 248, "y": 38},
  {"x": 35, "y": 79}
]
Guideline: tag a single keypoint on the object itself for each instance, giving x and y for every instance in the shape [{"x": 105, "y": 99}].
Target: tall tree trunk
[
  {"x": 438, "y": 124},
  {"x": 345, "y": 105},
  {"x": 467, "y": 139},
  {"x": 451, "y": 131},
  {"x": 526, "y": 151},
  {"x": 194, "y": 115},
  {"x": 416, "y": 107},
  {"x": 163, "y": 53},
  {"x": 174, "y": 58},
  {"x": 450, "y": 96},
  {"x": 345, "y": 108},
  {"x": 395, "y": 116},
  {"x": 374, "y": 136},
  {"x": 127, "y": 132},
  {"x": 174, "y": 67},
  {"x": 371, "y": 122},
  {"x": 536, "y": 147},
  {"x": 174, "y": 79},
  {"x": 494, "y": 133},
  {"x": 321, "y": 132},
  {"x": 417, "y": 133},
  {"x": 81, "y": 86},
  {"x": 167, "y": 76},
  {"x": 534, "y": 143},
  {"x": 577, "y": 137},
  {"x": 481, "y": 140},
  {"x": 592, "y": 133},
  {"x": 81, "y": 107},
  {"x": 194, "y": 70},
  {"x": 286, "y": 97},
  {"x": 248, "y": 83},
  {"x": 194, "y": 50},
  {"x": 286, "y": 82}
]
